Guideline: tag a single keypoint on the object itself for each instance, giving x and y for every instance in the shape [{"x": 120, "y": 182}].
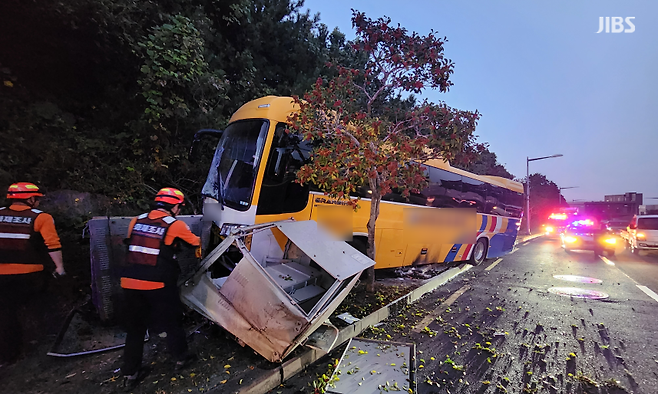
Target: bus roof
[
  {"x": 280, "y": 107},
  {"x": 494, "y": 180},
  {"x": 268, "y": 107}
]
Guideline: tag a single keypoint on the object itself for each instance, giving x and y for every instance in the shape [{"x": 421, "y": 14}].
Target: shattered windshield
[{"x": 233, "y": 171}]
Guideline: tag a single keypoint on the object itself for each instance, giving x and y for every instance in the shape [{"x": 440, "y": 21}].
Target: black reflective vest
[
  {"x": 148, "y": 258},
  {"x": 19, "y": 243}
]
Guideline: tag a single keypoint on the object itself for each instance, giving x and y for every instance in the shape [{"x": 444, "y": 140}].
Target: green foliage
[
  {"x": 543, "y": 198},
  {"x": 173, "y": 70},
  {"x": 110, "y": 102},
  {"x": 485, "y": 162}
]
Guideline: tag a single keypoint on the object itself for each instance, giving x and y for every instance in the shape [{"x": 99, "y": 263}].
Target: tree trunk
[{"x": 374, "y": 213}]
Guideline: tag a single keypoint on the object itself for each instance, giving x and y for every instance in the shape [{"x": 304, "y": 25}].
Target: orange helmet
[
  {"x": 23, "y": 190},
  {"x": 169, "y": 195}
]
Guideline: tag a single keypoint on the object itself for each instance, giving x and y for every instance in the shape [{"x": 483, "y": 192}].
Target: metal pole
[{"x": 527, "y": 194}]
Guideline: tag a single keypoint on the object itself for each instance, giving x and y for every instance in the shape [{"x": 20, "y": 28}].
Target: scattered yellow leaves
[
  {"x": 8, "y": 84},
  {"x": 227, "y": 366},
  {"x": 224, "y": 381}
]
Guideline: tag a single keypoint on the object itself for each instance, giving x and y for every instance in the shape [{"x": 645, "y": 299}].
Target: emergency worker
[
  {"x": 28, "y": 243},
  {"x": 149, "y": 282}
]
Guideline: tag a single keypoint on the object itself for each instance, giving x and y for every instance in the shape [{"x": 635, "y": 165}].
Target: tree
[
  {"x": 361, "y": 139},
  {"x": 108, "y": 104},
  {"x": 543, "y": 199},
  {"x": 486, "y": 163}
]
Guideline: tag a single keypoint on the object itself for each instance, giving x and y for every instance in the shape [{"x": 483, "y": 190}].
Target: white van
[{"x": 643, "y": 233}]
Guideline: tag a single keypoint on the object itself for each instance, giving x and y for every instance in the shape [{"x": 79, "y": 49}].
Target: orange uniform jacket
[
  {"x": 152, "y": 243},
  {"x": 26, "y": 235}
]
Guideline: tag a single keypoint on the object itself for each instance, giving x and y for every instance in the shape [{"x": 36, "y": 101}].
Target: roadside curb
[
  {"x": 527, "y": 238},
  {"x": 291, "y": 367}
]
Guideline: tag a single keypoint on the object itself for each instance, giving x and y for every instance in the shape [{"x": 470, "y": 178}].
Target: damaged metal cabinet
[{"x": 291, "y": 276}]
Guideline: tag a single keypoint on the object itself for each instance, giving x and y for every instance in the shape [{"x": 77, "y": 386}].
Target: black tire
[
  {"x": 479, "y": 252},
  {"x": 611, "y": 253}
]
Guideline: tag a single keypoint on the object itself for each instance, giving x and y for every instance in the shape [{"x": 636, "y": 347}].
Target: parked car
[
  {"x": 642, "y": 233},
  {"x": 589, "y": 234}
]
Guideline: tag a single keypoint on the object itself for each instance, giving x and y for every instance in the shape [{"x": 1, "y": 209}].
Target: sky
[{"x": 545, "y": 83}]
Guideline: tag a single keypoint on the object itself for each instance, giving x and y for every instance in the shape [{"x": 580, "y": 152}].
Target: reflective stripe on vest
[
  {"x": 14, "y": 236},
  {"x": 144, "y": 249}
]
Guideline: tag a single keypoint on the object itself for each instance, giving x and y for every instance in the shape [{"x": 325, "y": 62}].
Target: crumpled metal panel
[
  {"x": 337, "y": 257},
  {"x": 252, "y": 302}
]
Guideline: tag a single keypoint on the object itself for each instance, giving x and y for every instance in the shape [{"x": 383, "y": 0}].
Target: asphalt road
[{"x": 540, "y": 320}]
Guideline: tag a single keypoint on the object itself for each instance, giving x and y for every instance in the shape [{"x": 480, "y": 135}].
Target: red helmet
[
  {"x": 23, "y": 190},
  {"x": 170, "y": 195}
]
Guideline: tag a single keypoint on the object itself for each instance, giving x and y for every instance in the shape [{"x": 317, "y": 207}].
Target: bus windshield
[{"x": 233, "y": 171}]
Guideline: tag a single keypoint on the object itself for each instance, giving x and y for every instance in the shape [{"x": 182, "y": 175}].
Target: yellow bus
[{"x": 252, "y": 180}]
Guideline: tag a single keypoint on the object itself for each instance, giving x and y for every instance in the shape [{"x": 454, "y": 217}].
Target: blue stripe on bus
[
  {"x": 511, "y": 225},
  {"x": 484, "y": 223},
  {"x": 452, "y": 254}
]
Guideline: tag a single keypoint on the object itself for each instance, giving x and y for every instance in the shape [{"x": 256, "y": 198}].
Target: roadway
[{"x": 538, "y": 320}]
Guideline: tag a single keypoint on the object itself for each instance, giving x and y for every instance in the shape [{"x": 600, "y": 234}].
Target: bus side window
[
  {"x": 514, "y": 203},
  {"x": 445, "y": 188},
  {"x": 474, "y": 194},
  {"x": 496, "y": 201},
  {"x": 279, "y": 191}
]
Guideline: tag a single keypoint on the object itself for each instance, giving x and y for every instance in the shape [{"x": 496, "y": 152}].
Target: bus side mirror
[{"x": 194, "y": 148}]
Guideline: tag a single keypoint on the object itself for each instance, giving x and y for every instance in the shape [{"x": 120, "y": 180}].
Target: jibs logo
[{"x": 615, "y": 24}]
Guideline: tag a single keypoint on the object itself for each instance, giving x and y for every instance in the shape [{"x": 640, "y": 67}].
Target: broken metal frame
[{"x": 255, "y": 307}]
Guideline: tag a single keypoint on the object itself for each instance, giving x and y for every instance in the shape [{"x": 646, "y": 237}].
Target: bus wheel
[{"x": 479, "y": 252}]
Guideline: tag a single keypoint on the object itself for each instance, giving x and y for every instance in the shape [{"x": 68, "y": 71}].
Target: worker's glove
[
  {"x": 57, "y": 275},
  {"x": 198, "y": 252}
]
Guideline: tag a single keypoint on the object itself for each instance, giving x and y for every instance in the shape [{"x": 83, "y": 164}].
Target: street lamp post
[
  {"x": 527, "y": 191},
  {"x": 559, "y": 194}
]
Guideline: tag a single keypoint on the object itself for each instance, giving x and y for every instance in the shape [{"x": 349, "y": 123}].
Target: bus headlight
[
  {"x": 570, "y": 239},
  {"x": 549, "y": 229},
  {"x": 610, "y": 241},
  {"x": 640, "y": 236}
]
